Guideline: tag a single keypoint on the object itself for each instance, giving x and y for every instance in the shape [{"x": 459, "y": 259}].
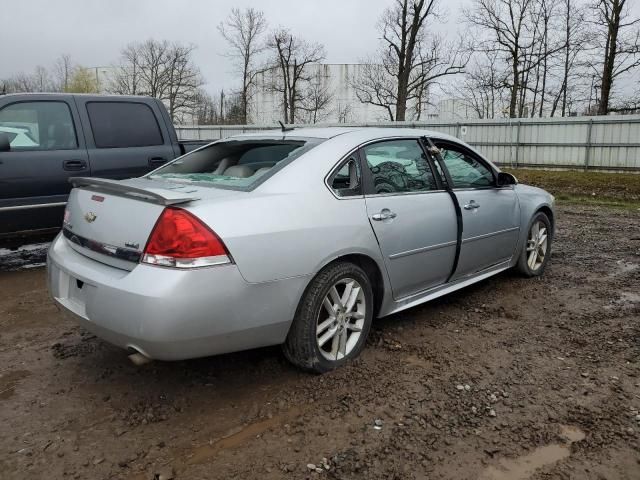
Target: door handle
[
  {"x": 471, "y": 205},
  {"x": 385, "y": 214},
  {"x": 74, "y": 165},
  {"x": 157, "y": 161}
]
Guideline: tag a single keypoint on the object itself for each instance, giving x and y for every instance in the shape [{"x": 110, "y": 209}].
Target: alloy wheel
[
  {"x": 537, "y": 245},
  {"x": 341, "y": 319}
]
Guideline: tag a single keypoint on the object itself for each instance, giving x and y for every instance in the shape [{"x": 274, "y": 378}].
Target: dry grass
[{"x": 608, "y": 189}]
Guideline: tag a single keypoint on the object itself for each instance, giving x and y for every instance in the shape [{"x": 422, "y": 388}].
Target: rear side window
[
  {"x": 41, "y": 125},
  {"x": 123, "y": 125},
  {"x": 235, "y": 164},
  {"x": 346, "y": 181}
]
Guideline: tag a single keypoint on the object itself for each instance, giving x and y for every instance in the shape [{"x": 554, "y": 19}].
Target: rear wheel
[
  {"x": 333, "y": 319},
  {"x": 536, "y": 252}
]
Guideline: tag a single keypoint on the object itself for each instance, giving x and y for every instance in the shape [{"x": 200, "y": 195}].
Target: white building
[
  {"x": 454, "y": 109},
  {"x": 337, "y": 79}
]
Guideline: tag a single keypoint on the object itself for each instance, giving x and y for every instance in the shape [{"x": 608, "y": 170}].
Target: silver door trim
[
  {"x": 422, "y": 249},
  {"x": 28, "y": 207},
  {"x": 487, "y": 235},
  {"x": 424, "y": 296}
]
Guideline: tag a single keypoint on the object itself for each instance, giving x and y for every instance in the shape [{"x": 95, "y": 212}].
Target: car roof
[
  {"x": 98, "y": 96},
  {"x": 363, "y": 133}
]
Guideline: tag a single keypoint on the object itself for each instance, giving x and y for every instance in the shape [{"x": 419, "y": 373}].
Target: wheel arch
[
  {"x": 371, "y": 268},
  {"x": 548, "y": 211}
]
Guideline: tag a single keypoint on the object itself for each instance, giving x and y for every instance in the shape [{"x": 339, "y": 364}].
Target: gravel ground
[{"x": 508, "y": 379}]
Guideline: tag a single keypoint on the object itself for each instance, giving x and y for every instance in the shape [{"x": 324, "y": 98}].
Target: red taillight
[{"x": 180, "y": 239}]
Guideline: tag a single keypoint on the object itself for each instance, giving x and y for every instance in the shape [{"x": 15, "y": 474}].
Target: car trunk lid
[{"x": 111, "y": 221}]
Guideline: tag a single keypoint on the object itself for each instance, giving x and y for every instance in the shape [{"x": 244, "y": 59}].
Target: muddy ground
[{"x": 508, "y": 379}]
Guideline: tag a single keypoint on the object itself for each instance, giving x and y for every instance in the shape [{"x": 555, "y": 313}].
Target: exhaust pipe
[{"x": 139, "y": 359}]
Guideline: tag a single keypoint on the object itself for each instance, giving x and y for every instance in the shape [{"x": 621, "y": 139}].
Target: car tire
[
  {"x": 535, "y": 251},
  {"x": 310, "y": 344}
]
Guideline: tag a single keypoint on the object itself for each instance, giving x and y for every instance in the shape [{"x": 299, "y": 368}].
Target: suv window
[
  {"x": 44, "y": 125},
  {"x": 346, "y": 182},
  {"x": 123, "y": 124},
  {"x": 399, "y": 166},
  {"x": 466, "y": 171}
]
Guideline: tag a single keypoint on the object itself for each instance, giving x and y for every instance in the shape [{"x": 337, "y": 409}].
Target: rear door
[
  {"x": 125, "y": 138},
  {"x": 490, "y": 214},
  {"x": 413, "y": 218},
  {"x": 34, "y": 173}
]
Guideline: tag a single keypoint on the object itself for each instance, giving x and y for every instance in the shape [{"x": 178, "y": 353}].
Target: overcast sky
[{"x": 36, "y": 32}]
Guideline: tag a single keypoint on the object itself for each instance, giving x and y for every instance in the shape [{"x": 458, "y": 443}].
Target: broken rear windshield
[{"x": 235, "y": 164}]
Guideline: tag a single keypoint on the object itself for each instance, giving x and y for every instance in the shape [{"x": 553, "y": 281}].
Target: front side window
[
  {"x": 399, "y": 166},
  {"x": 38, "y": 126},
  {"x": 234, "y": 164},
  {"x": 466, "y": 171},
  {"x": 123, "y": 125}
]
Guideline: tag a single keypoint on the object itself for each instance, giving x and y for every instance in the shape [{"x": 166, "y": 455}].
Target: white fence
[{"x": 602, "y": 143}]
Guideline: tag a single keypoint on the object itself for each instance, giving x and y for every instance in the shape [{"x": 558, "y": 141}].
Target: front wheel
[
  {"x": 333, "y": 319},
  {"x": 536, "y": 251}
]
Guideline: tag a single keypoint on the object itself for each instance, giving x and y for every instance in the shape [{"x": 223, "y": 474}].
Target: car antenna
[{"x": 285, "y": 128}]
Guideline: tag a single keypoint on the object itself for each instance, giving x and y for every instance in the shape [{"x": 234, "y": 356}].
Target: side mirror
[
  {"x": 506, "y": 179},
  {"x": 5, "y": 144}
]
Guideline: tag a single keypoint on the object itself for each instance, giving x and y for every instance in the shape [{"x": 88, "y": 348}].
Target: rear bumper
[{"x": 169, "y": 314}]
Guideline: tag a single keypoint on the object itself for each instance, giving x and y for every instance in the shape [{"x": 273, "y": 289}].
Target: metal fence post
[
  {"x": 518, "y": 144},
  {"x": 587, "y": 152}
]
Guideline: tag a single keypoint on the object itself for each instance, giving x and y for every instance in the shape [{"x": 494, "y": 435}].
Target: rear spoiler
[{"x": 139, "y": 189}]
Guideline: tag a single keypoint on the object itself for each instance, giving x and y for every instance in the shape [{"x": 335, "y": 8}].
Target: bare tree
[
  {"x": 343, "y": 112},
  {"x": 317, "y": 98},
  {"x": 409, "y": 61},
  {"x": 373, "y": 85},
  {"x": 183, "y": 79},
  {"x": 243, "y": 31},
  {"x": 575, "y": 40},
  {"x": 162, "y": 70},
  {"x": 63, "y": 70},
  {"x": 292, "y": 57},
  {"x": 508, "y": 32},
  {"x": 482, "y": 88},
  {"x": 619, "y": 37},
  {"x": 126, "y": 80}
]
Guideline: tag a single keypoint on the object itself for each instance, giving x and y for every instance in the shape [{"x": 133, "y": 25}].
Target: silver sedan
[{"x": 299, "y": 238}]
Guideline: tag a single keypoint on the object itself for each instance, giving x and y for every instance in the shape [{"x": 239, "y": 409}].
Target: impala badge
[{"x": 90, "y": 217}]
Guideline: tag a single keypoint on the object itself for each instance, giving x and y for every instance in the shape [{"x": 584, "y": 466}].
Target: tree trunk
[
  {"x": 609, "y": 59},
  {"x": 565, "y": 79},
  {"x": 513, "y": 103}
]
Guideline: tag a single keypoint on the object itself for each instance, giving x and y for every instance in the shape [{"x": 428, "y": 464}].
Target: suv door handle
[
  {"x": 157, "y": 161},
  {"x": 385, "y": 214},
  {"x": 471, "y": 205},
  {"x": 74, "y": 165}
]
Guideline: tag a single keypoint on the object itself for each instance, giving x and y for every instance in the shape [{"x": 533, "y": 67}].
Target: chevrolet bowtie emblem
[{"x": 89, "y": 216}]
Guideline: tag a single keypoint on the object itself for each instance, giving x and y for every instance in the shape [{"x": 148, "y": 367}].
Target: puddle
[
  {"x": 23, "y": 257},
  {"x": 417, "y": 361},
  {"x": 571, "y": 433},
  {"x": 524, "y": 467},
  {"x": 622, "y": 268},
  {"x": 236, "y": 438},
  {"x": 629, "y": 297},
  {"x": 8, "y": 382}
]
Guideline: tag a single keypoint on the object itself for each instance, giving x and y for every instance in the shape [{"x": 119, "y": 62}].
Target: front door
[
  {"x": 413, "y": 218},
  {"x": 490, "y": 214},
  {"x": 46, "y": 149}
]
